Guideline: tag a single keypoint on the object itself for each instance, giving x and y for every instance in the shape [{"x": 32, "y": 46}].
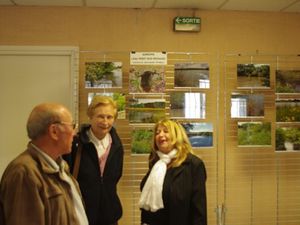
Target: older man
[{"x": 36, "y": 187}]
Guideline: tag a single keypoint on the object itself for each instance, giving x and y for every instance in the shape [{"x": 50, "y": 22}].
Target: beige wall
[{"x": 149, "y": 30}]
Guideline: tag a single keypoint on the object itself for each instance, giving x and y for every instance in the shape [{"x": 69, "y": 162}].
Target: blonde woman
[
  {"x": 173, "y": 190},
  {"x": 101, "y": 162}
]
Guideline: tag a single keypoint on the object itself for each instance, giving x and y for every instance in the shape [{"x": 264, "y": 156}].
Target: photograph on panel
[
  {"x": 253, "y": 75},
  {"x": 147, "y": 79},
  {"x": 187, "y": 105},
  {"x": 191, "y": 75},
  {"x": 287, "y": 81},
  {"x": 146, "y": 110},
  {"x": 247, "y": 105},
  {"x": 287, "y": 138},
  {"x": 254, "y": 134},
  {"x": 287, "y": 110},
  {"x": 199, "y": 134},
  {"x": 119, "y": 98},
  {"x": 141, "y": 140},
  {"x": 103, "y": 74}
]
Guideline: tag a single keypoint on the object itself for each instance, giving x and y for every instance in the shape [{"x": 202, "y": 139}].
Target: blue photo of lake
[{"x": 200, "y": 134}]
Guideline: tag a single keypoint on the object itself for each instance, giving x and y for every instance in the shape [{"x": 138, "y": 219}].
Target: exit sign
[{"x": 191, "y": 24}]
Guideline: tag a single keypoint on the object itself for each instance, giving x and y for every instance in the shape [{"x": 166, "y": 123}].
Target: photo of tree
[
  {"x": 191, "y": 75},
  {"x": 200, "y": 134},
  {"x": 287, "y": 138},
  {"x": 141, "y": 142},
  {"x": 253, "y": 75},
  {"x": 147, "y": 79},
  {"x": 103, "y": 74},
  {"x": 287, "y": 110},
  {"x": 249, "y": 105},
  {"x": 118, "y": 97},
  {"x": 254, "y": 133},
  {"x": 287, "y": 81},
  {"x": 187, "y": 105},
  {"x": 146, "y": 110}
]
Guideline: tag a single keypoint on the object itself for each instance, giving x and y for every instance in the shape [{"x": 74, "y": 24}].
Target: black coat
[
  {"x": 102, "y": 203},
  {"x": 184, "y": 196}
]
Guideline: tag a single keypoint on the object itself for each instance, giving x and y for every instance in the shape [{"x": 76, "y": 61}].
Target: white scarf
[{"x": 151, "y": 197}]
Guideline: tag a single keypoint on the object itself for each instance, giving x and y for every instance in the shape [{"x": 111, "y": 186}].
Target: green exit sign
[{"x": 191, "y": 24}]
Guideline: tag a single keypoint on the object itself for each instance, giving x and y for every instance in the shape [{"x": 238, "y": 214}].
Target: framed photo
[
  {"x": 187, "y": 105},
  {"x": 191, "y": 75},
  {"x": 147, "y": 79},
  {"x": 103, "y": 74},
  {"x": 253, "y": 75},
  {"x": 287, "y": 110},
  {"x": 244, "y": 106},
  {"x": 146, "y": 110},
  {"x": 141, "y": 142},
  {"x": 287, "y": 81},
  {"x": 288, "y": 138},
  {"x": 254, "y": 134},
  {"x": 200, "y": 134},
  {"x": 118, "y": 97}
]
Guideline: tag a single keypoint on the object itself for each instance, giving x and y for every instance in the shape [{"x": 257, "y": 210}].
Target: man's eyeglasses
[{"x": 73, "y": 125}]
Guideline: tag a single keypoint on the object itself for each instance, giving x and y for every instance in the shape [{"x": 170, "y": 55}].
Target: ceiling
[{"x": 291, "y": 6}]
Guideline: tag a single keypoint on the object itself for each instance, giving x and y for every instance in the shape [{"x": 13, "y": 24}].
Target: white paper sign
[{"x": 148, "y": 58}]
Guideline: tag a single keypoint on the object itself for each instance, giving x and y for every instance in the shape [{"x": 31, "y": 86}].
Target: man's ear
[{"x": 53, "y": 131}]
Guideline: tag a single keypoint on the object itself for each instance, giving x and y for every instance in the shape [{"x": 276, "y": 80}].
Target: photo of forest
[
  {"x": 287, "y": 81},
  {"x": 143, "y": 110},
  {"x": 287, "y": 110},
  {"x": 287, "y": 138},
  {"x": 118, "y": 97},
  {"x": 200, "y": 134},
  {"x": 191, "y": 75},
  {"x": 254, "y": 133},
  {"x": 103, "y": 74},
  {"x": 253, "y": 75},
  {"x": 141, "y": 142}
]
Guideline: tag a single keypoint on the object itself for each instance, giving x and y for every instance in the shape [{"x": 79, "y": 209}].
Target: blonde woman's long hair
[{"x": 179, "y": 140}]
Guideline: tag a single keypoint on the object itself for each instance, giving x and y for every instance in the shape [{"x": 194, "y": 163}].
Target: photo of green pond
[
  {"x": 254, "y": 133},
  {"x": 253, "y": 75}
]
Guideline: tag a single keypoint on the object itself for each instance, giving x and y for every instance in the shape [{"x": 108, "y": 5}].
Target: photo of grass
[
  {"x": 141, "y": 141},
  {"x": 148, "y": 110},
  {"x": 187, "y": 105},
  {"x": 287, "y": 138},
  {"x": 191, "y": 75},
  {"x": 146, "y": 79},
  {"x": 103, "y": 74},
  {"x": 254, "y": 134},
  {"x": 253, "y": 75},
  {"x": 200, "y": 134},
  {"x": 287, "y": 110},
  {"x": 243, "y": 106},
  {"x": 287, "y": 81},
  {"x": 118, "y": 97}
]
